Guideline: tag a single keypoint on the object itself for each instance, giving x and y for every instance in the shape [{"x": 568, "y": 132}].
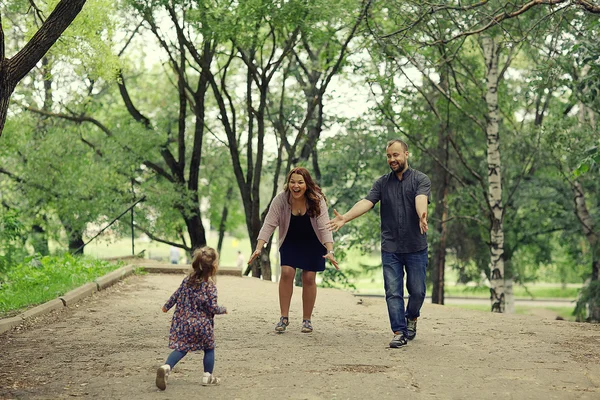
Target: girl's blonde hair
[{"x": 205, "y": 262}]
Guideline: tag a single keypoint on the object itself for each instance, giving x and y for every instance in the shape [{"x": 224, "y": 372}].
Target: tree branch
[
  {"x": 133, "y": 111},
  {"x": 75, "y": 118},
  {"x": 59, "y": 20},
  {"x": 156, "y": 238}
]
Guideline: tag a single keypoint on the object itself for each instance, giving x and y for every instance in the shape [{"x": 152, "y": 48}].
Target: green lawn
[
  {"x": 533, "y": 291},
  {"x": 370, "y": 284},
  {"x": 564, "y": 312},
  {"x": 48, "y": 278},
  {"x": 160, "y": 251},
  {"x": 56, "y": 281}
]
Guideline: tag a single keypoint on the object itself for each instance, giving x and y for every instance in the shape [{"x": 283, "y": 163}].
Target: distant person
[
  {"x": 301, "y": 214},
  {"x": 240, "y": 260},
  {"x": 192, "y": 326},
  {"x": 404, "y": 195},
  {"x": 174, "y": 255}
]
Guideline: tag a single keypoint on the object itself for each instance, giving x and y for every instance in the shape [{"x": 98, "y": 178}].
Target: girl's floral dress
[{"x": 192, "y": 327}]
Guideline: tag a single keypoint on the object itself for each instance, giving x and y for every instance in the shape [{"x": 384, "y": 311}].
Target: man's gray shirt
[{"x": 400, "y": 231}]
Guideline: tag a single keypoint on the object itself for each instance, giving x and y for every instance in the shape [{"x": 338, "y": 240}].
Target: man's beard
[{"x": 400, "y": 168}]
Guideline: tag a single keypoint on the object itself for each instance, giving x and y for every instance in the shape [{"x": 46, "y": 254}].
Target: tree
[
  {"x": 480, "y": 16},
  {"x": 15, "y": 68}
]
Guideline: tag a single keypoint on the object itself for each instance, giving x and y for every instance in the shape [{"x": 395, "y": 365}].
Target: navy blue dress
[{"x": 301, "y": 247}]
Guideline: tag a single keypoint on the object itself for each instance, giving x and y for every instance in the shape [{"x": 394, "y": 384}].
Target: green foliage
[
  {"x": 589, "y": 298},
  {"x": 336, "y": 278},
  {"x": 589, "y": 163},
  {"x": 11, "y": 240},
  {"x": 37, "y": 280}
]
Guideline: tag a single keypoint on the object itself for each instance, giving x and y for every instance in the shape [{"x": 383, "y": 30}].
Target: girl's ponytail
[{"x": 204, "y": 264}]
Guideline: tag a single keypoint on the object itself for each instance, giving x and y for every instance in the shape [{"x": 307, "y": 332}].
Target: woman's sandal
[
  {"x": 306, "y": 326},
  {"x": 282, "y": 324}
]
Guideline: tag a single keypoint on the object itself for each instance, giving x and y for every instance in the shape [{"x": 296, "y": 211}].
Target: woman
[{"x": 305, "y": 242}]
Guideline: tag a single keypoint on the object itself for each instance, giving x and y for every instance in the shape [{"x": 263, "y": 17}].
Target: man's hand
[
  {"x": 423, "y": 223},
  {"x": 336, "y": 223},
  {"x": 254, "y": 255}
]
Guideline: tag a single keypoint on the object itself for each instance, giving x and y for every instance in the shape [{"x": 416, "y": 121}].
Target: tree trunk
[
  {"x": 76, "y": 242},
  {"x": 196, "y": 231},
  {"x": 6, "y": 89},
  {"x": 587, "y": 223},
  {"x": 439, "y": 253},
  {"x": 491, "y": 53},
  {"x": 441, "y": 209},
  {"x": 223, "y": 223}
]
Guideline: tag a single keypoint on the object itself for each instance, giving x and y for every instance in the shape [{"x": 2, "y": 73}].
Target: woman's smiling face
[{"x": 297, "y": 186}]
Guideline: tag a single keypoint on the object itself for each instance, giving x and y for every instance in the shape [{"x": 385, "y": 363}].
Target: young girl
[{"x": 192, "y": 327}]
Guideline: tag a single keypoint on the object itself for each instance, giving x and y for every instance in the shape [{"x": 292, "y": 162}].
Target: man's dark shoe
[
  {"x": 399, "y": 340},
  {"x": 411, "y": 326}
]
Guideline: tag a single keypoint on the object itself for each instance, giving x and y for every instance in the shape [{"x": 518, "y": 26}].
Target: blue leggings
[{"x": 209, "y": 359}]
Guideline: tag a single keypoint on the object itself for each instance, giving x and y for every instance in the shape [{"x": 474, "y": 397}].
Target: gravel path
[{"x": 110, "y": 345}]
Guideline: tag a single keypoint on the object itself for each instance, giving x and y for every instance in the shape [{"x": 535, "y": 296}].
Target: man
[{"x": 404, "y": 195}]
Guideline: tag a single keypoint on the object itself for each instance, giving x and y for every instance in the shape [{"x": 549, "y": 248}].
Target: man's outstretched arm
[{"x": 356, "y": 211}]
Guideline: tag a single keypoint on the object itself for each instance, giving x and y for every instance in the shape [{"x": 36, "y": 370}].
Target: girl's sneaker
[
  {"x": 162, "y": 374},
  {"x": 209, "y": 379}
]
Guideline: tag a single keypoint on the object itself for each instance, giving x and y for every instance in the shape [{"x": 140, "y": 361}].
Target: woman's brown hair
[
  {"x": 205, "y": 262},
  {"x": 313, "y": 191}
]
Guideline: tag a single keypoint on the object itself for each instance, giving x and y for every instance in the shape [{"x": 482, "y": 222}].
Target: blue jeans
[
  {"x": 394, "y": 265},
  {"x": 209, "y": 359}
]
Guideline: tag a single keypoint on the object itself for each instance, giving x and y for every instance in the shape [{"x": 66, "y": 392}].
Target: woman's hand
[
  {"x": 331, "y": 258},
  {"x": 254, "y": 255},
  {"x": 164, "y": 309}
]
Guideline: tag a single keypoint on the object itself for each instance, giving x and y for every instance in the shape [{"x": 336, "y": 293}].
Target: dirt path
[{"x": 110, "y": 346}]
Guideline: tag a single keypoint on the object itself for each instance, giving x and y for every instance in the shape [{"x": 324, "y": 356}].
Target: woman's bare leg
[
  {"x": 286, "y": 288},
  {"x": 309, "y": 293}
]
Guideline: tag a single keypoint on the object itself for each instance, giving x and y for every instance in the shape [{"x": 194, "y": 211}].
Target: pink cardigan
[{"x": 280, "y": 214}]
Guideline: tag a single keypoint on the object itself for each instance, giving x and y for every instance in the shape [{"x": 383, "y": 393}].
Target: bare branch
[
  {"x": 495, "y": 19},
  {"x": 130, "y": 38},
  {"x": 2, "y": 49},
  {"x": 133, "y": 111},
  {"x": 75, "y": 118},
  {"x": 479, "y": 221},
  {"x": 161, "y": 240}
]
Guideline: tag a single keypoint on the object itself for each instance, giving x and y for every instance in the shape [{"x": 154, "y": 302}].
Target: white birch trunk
[{"x": 491, "y": 53}]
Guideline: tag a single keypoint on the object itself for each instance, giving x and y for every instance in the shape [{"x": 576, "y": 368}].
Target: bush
[{"x": 12, "y": 243}]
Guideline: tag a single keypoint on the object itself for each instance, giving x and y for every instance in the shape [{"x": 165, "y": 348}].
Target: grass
[
  {"x": 27, "y": 285},
  {"x": 37, "y": 281},
  {"x": 372, "y": 283},
  {"x": 534, "y": 291},
  {"x": 565, "y": 313},
  {"x": 160, "y": 251}
]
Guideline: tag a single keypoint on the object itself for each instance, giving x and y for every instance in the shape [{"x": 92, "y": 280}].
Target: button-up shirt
[{"x": 400, "y": 231}]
